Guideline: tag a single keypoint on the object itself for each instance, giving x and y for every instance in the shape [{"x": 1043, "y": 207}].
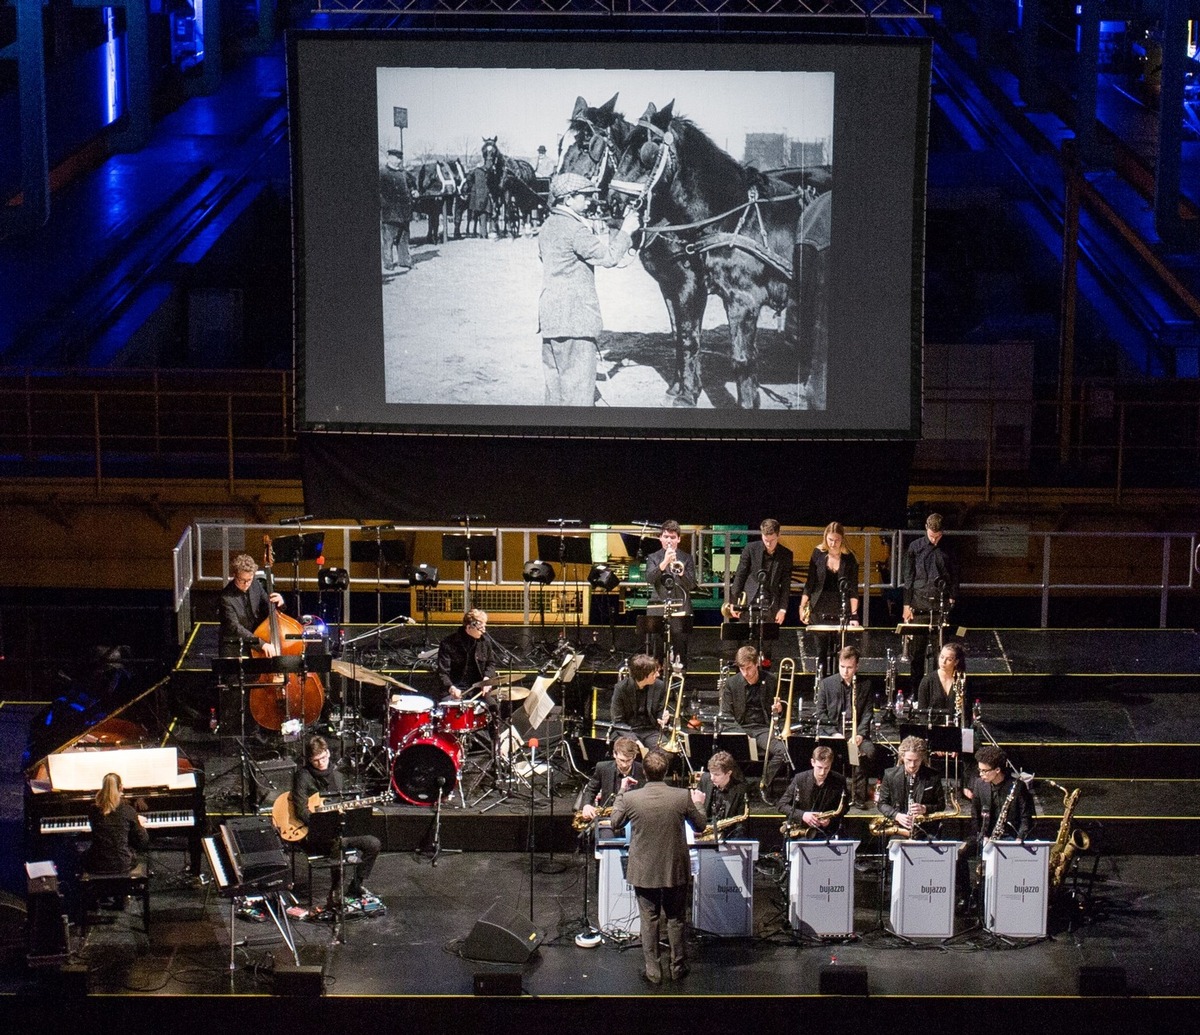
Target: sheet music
[{"x": 137, "y": 767}]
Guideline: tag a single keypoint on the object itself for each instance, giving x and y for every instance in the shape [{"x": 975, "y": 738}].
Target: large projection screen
[{"x": 827, "y": 306}]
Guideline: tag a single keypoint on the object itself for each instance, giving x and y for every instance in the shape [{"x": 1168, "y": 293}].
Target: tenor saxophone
[
  {"x": 580, "y": 822},
  {"x": 803, "y": 830},
  {"x": 1068, "y": 841},
  {"x": 713, "y": 829},
  {"x": 882, "y": 826}
]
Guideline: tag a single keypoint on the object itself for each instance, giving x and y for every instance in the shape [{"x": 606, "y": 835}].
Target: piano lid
[{"x": 103, "y": 706}]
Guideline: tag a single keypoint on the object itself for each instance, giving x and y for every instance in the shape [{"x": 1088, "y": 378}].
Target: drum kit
[{"x": 428, "y": 743}]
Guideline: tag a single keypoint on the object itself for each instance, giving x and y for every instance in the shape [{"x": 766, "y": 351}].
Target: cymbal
[
  {"x": 366, "y": 675},
  {"x": 496, "y": 682},
  {"x": 510, "y": 693}
]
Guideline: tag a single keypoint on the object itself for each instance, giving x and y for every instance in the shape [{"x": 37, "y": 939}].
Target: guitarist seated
[{"x": 318, "y": 777}]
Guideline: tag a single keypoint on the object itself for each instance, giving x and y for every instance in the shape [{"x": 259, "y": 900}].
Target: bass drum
[{"x": 426, "y": 763}]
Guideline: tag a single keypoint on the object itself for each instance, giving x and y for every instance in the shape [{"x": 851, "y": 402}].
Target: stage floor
[{"x": 1144, "y": 916}]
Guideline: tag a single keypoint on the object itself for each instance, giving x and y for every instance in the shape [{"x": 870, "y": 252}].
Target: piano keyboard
[{"x": 162, "y": 820}]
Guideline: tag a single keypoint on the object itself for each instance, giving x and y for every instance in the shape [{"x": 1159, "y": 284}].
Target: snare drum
[
  {"x": 427, "y": 763},
  {"x": 462, "y": 716},
  {"x": 407, "y": 713}
]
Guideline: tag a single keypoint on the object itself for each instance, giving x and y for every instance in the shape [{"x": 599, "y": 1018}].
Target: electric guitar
[{"x": 283, "y": 813}]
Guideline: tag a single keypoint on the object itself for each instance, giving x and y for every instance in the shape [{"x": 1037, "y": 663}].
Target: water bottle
[
  {"x": 212, "y": 720},
  {"x": 976, "y": 711},
  {"x": 899, "y": 704}
]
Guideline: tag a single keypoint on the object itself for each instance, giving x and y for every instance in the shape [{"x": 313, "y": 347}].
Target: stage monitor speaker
[
  {"x": 1108, "y": 981},
  {"x": 498, "y": 984},
  {"x": 500, "y": 936},
  {"x": 838, "y": 979},
  {"x": 305, "y": 981}
]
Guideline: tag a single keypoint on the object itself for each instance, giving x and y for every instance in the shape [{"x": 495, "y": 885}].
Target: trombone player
[
  {"x": 671, "y": 574},
  {"x": 639, "y": 701},
  {"x": 750, "y": 698}
]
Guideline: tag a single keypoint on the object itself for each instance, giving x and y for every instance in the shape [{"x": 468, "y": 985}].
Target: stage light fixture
[
  {"x": 539, "y": 572},
  {"x": 602, "y": 577},
  {"x": 333, "y": 579},
  {"x": 425, "y": 575}
]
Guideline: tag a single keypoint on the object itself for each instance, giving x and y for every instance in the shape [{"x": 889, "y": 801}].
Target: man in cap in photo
[{"x": 569, "y": 308}]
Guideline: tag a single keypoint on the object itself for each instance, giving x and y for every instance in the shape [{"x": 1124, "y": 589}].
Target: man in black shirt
[
  {"x": 671, "y": 574},
  {"x": 722, "y": 795},
  {"x": 244, "y": 606},
  {"x": 466, "y": 658},
  {"x": 764, "y": 576},
  {"x": 638, "y": 701},
  {"x": 317, "y": 776},
  {"x": 812, "y": 794},
  {"x": 1002, "y": 809},
  {"x": 930, "y": 589},
  {"x": 845, "y": 700},
  {"x": 605, "y": 781}
]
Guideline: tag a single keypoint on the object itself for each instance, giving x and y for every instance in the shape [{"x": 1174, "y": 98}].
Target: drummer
[{"x": 466, "y": 658}]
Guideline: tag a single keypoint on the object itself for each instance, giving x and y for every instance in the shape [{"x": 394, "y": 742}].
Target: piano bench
[{"x": 94, "y": 886}]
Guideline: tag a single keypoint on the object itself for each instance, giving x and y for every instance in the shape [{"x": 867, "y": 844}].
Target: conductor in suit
[
  {"x": 763, "y": 576},
  {"x": 659, "y": 865}
]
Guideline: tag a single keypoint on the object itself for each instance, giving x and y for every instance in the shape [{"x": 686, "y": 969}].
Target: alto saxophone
[
  {"x": 711, "y": 831},
  {"x": 882, "y": 826},
  {"x": 1068, "y": 841},
  {"x": 803, "y": 830},
  {"x": 580, "y": 822}
]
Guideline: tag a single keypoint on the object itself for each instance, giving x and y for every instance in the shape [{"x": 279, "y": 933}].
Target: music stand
[
  {"x": 380, "y": 552},
  {"x": 332, "y": 828},
  {"x": 468, "y": 549},
  {"x": 568, "y": 549},
  {"x": 304, "y": 546},
  {"x": 735, "y": 632}
]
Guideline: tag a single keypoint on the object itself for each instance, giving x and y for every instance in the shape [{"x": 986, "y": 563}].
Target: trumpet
[
  {"x": 786, "y": 677},
  {"x": 674, "y": 741},
  {"x": 673, "y": 564}
]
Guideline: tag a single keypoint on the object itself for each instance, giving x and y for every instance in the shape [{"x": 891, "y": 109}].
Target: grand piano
[{"x": 99, "y": 728}]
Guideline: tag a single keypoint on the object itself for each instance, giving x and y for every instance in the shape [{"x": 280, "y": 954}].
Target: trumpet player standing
[
  {"x": 912, "y": 789},
  {"x": 671, "y": 574},
  {"x": 815, "y": 793}
]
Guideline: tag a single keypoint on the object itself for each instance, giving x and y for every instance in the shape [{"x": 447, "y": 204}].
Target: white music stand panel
[
  {"x": 1016, "y": 878},
  {"x": 616, "y": 903},
  {"x": 723, "y": 891},
  {"x": 821, "y": 887},
  {"x": 923, "y": 875}
]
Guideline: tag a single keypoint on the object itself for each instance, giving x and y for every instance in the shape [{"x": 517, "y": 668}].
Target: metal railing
[{"x": 880, "y": 554}]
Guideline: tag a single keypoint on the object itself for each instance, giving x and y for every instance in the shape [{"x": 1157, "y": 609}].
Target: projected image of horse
[
  {"x": 600, "y": 135},
  {"x": 510, "y": 183},
  {"x": 436, "y": 187},
  {"x": 750, "y": 234}
]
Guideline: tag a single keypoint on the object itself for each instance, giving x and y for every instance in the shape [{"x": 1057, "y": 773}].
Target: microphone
[{"x": 295, "y": 520}]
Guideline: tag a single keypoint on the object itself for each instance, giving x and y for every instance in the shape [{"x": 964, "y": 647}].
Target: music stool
[
  {"x": 350, "y": 857},
  {"x": 94, "y": 886}
]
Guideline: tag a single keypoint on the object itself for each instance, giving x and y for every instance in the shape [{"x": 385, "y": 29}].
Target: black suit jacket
[
  {"x": 778, "y": 581},
  {"x": 814, "y": 585},
  {"x": 463, "y": 660},
  {"x": 833, "y": 702},
  {"x": 658, "y": 851},
  {"x": 738, "y": 698},
  {"x": 721, "y": 804},
  {"x": 625, "y": 711},
  {"x": 603, "y": 784},
  {"x": 927, "y": 791},
  {"x": 661, "y": 580},
  {"x": 988, "y": 801},
  {"x": 803, "y": 795},
  {"x": 241, "y": 613}
]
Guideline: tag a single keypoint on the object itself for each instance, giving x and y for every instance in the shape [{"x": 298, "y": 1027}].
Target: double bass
[{"x": 274, "y": 699}]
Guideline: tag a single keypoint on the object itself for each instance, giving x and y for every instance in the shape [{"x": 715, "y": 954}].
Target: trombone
[
  {"x": 674, "y": 740},
  {"x": 786, "y": 678}
]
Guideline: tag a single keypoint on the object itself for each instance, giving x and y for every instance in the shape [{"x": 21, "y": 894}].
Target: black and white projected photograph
[
  {"x": 716, "y": 299},
  {"x": 618, "y": 234}
]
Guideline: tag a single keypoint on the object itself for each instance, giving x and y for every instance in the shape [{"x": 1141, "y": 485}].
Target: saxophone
[
  {"x": 710, "y": 832},
  {"x": 803, "y": 830},
  {"x": 881, "y": 826},
  {"x": 1068, "y": 841},
  {"x": 889, "y": 681},
  {"x": 580, "y": 823}
]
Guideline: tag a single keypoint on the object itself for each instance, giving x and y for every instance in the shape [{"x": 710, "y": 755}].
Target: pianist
[
  {"x": 317, "y": 776},
  {"x": 117, "y": 832},
  {"x": 244, "y": 605}
]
